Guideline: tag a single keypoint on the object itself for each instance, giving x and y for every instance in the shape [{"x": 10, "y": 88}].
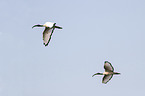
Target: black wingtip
[
  {"x": 45, "y": 44},
  {"x": 106, "y": 62},
  {"x": 104, "y": 82}
]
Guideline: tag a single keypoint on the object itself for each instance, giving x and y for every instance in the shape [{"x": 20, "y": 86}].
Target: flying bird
[
  {"x": 48, "y": 31},
  {"x": 109, "y": 72}
]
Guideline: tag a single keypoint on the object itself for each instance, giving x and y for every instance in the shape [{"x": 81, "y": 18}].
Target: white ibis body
[
  {"x": 48, "y": 31},
  {"x": 109, "y": 72}
]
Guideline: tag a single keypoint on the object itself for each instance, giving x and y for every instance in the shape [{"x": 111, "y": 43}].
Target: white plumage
[
  {"x": 109, "y": 72},
  {"x": 48, "y": 31}
]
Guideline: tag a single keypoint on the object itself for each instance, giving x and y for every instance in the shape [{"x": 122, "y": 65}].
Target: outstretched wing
[
  {"x": 47, "y": 35},
  {"x": 108, "y": 67},
  {"x": 106, "y": 78}
]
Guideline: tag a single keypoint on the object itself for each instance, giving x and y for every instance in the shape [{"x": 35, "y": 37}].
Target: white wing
[
  {"x": 47, "y": 35},
  {"x": 106, "y": 78},
  {"x": 108, "y": 67}
]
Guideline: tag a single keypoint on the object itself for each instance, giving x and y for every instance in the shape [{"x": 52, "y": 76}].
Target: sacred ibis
[
  {"x": 48, "y": 31},
  {"x": 109, "y": 72}
]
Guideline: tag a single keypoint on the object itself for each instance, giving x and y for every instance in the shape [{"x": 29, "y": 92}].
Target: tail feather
[{"x": 58, "y": 27}]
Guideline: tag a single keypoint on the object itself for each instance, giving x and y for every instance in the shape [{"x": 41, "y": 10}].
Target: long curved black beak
[{"x": 37, "y": 26}]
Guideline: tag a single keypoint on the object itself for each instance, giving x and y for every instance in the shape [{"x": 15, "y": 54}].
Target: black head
[{"x": 38, "y": 26}]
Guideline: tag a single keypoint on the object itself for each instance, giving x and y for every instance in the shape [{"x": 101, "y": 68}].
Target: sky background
[{"x": 93, "y": 31}]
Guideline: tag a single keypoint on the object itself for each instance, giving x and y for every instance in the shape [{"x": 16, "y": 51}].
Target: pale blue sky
[{"x": 93, "y": 31}]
